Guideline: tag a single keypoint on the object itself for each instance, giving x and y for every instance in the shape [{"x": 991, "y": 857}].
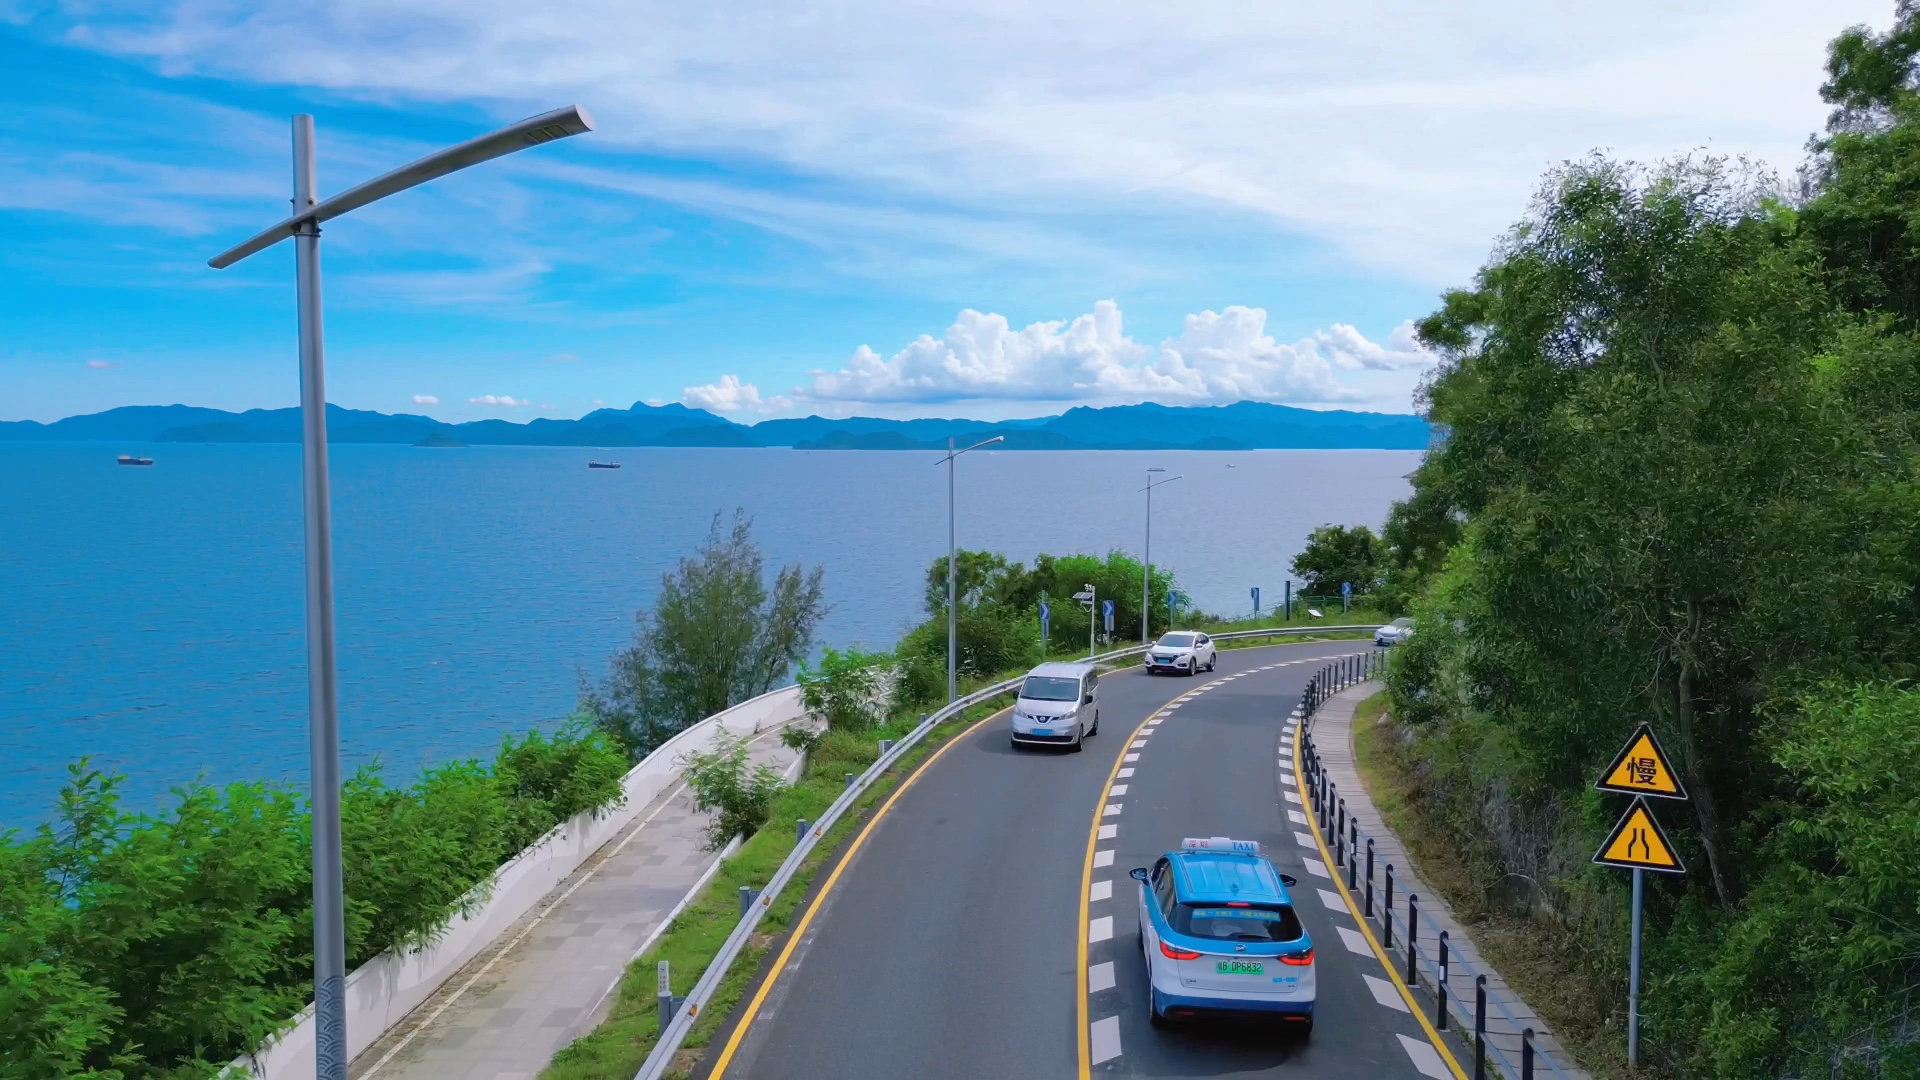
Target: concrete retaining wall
[{"x": 383, "y": 991}]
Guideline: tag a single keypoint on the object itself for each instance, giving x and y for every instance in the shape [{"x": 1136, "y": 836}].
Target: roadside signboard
[
  {"x": 1643, "y": 768},
  {"x": 1046, "y": 619},
  {"x": 1106, "y": 614},
  {"x": 1639, "y": 843},
  {"x": 1256, "y": 599}
]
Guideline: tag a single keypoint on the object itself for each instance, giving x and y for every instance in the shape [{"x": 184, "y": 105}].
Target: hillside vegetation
[{"x": 1679, "y": 486}]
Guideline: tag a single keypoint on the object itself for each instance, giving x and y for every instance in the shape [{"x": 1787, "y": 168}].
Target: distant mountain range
[{"x": 1247, "y": 425}]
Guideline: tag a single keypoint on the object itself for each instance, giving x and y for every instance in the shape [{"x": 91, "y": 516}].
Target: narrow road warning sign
[
  {"x": 1638, "y": 843},
  {"x": 1643, "y": 769}
]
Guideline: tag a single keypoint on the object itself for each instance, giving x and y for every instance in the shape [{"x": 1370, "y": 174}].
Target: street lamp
[
  {"x": 953, "y": 605},
  {"x": 329, "y": 917},
  {"x": 1146, "y": 570}
]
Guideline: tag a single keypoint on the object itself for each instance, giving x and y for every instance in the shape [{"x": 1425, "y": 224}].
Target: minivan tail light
[
  {"x": 1304, "y": 959},
  {"x": 1174, "y": 952}
]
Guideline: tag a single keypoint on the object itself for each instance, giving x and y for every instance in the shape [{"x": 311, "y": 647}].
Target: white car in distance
[
  {"x": 1182, "y": 652},
  {"x": 1394, "y": 632}
]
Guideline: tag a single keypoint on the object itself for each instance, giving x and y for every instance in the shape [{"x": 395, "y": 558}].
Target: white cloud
[
  {"x": 1401, "y": 134},
  {"x": 730, "y": 395},
  {"x": 1219, "y": 357},
  {"x": 101, "y": 365},
  {"x": 425, "y": 399},
  {"x": 502, "y": 400}
]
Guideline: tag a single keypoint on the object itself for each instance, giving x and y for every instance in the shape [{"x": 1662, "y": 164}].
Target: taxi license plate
[{"x": 1240, "y": 967}]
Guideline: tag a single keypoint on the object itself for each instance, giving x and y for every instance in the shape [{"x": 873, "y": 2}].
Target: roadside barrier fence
[{"x": 1413, "y": 933}]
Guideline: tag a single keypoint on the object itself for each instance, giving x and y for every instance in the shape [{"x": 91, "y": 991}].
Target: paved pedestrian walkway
[
  {"x": 1333, "y": 738},
  {"x": 546, "y": 980}
]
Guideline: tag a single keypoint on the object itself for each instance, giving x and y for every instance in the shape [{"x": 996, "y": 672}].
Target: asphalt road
[{"x": 949, "y": 949}]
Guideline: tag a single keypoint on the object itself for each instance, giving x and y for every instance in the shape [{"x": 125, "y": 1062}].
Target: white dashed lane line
[
  {"x": 1117, "y": 789},
  {"x": 1113, "y": 810},
  {"x": 1101, "y": 929},
  {"x": 1317, "y": 868},
  {"x": 1357, "y": 944},
  {"x": 1133, "y": 757},
  {"x": 1108, "y": 832},
  {"x": 1333, "y": 901},
  {"x": 1292, "y": 797},
  {"x": 1383, "y": 991},
  {"x": 1100, "y": 890},
  {"x": 1304, "y": 841},
  {"x": 1103, "y": 858},
  {"x": 1104, "y": 1039},
  {"x": 1124, "y": 773},
  {"x": 1100, "y": 977},
  {"x": 1296, "y": 817},
  {"x": 1425, "y": 1058}
]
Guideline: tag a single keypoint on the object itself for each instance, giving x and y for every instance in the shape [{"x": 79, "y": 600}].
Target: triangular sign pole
[
  {"x": 1638, "y": 843},
  {"x": 1643, "y": 768}
]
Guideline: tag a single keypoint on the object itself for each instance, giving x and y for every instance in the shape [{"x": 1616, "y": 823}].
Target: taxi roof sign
[
  {"x": 1643, "y": 768},
  {"x": 1638, "y": 843},
  {"x": 1220, "y": 843}
]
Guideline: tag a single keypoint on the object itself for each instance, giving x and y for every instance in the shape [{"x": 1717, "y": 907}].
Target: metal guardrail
[
  {"x": 687, "y": 1014},
  {"x": 1345, "y": 840}
]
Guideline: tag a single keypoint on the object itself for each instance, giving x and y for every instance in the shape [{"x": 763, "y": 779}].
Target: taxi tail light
[
  {"x": 1174, "y": 952},
  {"x": 1303, "y": 959}
]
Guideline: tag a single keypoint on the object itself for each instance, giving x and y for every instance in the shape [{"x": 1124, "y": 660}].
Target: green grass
[
  {"x": 1534, "y": 956},
  {"x": 615, "y": 1049}
]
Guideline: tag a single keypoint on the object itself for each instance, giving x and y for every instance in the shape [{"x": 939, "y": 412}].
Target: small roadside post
[
  {"x": 1086, "y": 596},
  {"x": 1637, "y": 843},
  {"x": 1288, "y": 599},
  {"x": 1256, "y": 601},
  {"x": 1346, "y": 596}
]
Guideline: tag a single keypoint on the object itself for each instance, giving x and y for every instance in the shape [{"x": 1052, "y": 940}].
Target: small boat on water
[
  {"x": 129, "y": 459},
  {"x": 603, "y": 464}
]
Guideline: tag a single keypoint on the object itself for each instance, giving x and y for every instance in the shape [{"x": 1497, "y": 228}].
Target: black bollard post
[
  {"x": 1369, "y": 903},
  {"x": 1440, "y": 992},
  {"x": 1526, "y": 1054},
  {"x": 1386, "y": 913},
  {"x": 1353, "y": 854},
  {"x": 1340, "y": 833},
  {"x": 1413, "y": 934}
]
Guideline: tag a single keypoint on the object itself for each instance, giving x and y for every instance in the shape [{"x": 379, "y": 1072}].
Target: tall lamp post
[
  {"x": 303, "y": 227},
  {"x": 1146, "y": 570},
  {"x": 953, "y": 605}
]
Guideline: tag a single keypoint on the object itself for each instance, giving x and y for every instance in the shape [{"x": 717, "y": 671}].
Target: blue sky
[{"x": 987, "y": 209}]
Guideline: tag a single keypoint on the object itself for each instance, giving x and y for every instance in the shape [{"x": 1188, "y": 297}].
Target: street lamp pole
[
  {"x": 331, "y": 1051},
  {"x": 1146, "y": 559},
  {"x": 953, "y": 606}
]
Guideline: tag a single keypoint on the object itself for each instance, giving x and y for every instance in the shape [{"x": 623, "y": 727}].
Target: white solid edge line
[{"x": 1103, "y": 1039}]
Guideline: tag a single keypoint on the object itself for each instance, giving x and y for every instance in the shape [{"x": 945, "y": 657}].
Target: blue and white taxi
[{"x": 1221, "y": 936}]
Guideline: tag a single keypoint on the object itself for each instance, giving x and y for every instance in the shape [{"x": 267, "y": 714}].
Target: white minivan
[{"x": 1059, "y": 705}]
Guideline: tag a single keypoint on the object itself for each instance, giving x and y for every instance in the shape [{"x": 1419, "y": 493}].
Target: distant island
[{"x": 1246, "y": 425}]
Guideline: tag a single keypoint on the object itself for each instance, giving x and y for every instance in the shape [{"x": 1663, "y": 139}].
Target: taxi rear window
[{"x": 1250, "y": 922}]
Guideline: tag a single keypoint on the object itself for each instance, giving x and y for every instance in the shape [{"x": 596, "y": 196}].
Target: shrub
[
  {"x": 738, "y": 793},
  {"x": 849, "y": 691}
]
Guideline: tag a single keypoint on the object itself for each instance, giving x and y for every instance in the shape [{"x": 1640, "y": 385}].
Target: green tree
[
  {"x": 717, "y": 635},
  {"x": 1337, "y": 554}
]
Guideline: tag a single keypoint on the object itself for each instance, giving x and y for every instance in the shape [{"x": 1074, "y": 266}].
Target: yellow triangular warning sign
[
  {"x": 1642, "y": 769},
  {"x": 1638, "y": 842}
]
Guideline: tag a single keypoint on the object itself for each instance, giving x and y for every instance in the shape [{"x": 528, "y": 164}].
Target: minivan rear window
[
  {"x": 1050, "y": 688},
  {"x": 1253, "y": 922}
]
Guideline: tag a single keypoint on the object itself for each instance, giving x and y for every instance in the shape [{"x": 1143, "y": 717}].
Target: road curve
[{"x": 950, "y": 947}]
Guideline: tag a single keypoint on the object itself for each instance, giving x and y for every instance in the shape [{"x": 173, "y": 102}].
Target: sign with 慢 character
[
  {"x": 1643, "y": 769},
  {"x": 1638, "y": 843}
]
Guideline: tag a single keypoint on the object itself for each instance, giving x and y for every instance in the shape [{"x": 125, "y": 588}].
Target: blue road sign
[
  {"x": 1256, "y": 599},
  {"x": 1346, "y": 588},
  {"x": 1046, "y": 617},
  {"x": 1106, "y": 613}
]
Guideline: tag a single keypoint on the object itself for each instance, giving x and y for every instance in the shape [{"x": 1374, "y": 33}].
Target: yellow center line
[
  {"x": 1386, "y": 962},
  {"x": 813, "y": 906}
]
